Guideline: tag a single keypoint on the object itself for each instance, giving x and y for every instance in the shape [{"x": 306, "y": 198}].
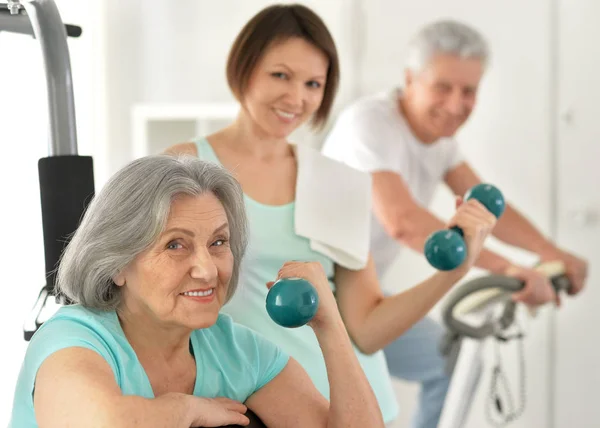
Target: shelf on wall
[{"x": 157, "y": 126}]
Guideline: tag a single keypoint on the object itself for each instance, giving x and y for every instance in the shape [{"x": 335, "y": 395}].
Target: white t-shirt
[{"x": 372, "y": 135}]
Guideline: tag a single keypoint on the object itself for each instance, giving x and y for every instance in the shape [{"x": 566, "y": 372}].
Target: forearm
[
  {"x": 392, "y": 316},
  {"x": 172, "y": 410},
  {"x": 514, "y": 229},
  {"x": 492, "y": 262},
  {"x": 412, "y": 228},
  {"x": 420, "y": 223},
  {"x": 352, "y": 401}
]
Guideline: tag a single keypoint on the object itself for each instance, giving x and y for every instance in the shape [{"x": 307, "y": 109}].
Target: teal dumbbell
[
  {"x": 446, "y": 249},
  {"x": 292, "y": 302}
]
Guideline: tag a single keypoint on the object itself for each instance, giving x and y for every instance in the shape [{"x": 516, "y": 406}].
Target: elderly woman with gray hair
[{"x": 156, "y": 256}]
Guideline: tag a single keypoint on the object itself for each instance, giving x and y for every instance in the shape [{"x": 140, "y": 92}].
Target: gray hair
[
  {"x": 128, "y": 216},
  {"x": 445, "y": 37}
]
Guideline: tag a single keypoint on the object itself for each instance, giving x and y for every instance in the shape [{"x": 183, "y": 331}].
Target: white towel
[{"x": 333, "y": 207}]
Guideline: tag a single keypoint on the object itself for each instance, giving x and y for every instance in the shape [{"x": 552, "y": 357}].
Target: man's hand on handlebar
[
  {"x": 538, "y": 289},
  {"x": 576, "y": 268}
]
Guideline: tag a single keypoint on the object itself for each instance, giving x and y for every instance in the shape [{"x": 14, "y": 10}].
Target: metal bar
[
  {"x": 31, "y": 323},
  {"x": 19, "y": 23},
  {"x": 49, "y": 30},
  {"x": 14, "y": 23}
]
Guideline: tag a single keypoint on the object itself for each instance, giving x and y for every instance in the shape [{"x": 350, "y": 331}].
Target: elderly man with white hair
[{"x": 405, "y": 138}]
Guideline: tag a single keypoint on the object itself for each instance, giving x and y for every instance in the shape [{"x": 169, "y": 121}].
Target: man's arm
[
  {"x": 512, "y": 228},
  {"x": 409, "y": 223}
]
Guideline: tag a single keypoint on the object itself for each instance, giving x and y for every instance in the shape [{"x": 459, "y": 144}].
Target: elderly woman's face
[{"x": 182, "y": 279}]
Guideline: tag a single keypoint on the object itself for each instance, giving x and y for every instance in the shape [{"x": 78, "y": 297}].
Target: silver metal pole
[{"x": 49, "y": 30}]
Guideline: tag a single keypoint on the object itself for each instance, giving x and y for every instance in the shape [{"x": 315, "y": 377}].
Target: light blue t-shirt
[
  {"x": 231, "y": 360},
  {"x": 272, "y": 242}
]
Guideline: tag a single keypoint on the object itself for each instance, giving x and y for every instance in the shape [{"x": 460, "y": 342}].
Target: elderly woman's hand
[
  {"x": 313, "y": 272},
  {"x": 216, "y": 412}
]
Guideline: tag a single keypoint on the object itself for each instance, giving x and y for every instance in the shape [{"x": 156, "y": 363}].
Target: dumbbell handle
[
  {"x": 458, "y": 230},
  {"x": 446, "y": 249}
]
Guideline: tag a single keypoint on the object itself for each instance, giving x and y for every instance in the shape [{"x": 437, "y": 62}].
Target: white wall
[
  {"x": 578, "y": 211},
  {"x": 152, "y": 51}
]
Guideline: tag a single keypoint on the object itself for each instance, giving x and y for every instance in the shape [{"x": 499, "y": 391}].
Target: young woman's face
[{"x": 286, "y": 87}]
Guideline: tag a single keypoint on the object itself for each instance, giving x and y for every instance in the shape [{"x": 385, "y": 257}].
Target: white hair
[
  {"x": 445, "y": 37},
  {"x": 130, "y": 213}
]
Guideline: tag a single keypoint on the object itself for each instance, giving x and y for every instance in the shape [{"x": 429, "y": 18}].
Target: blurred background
[{"x": 150, "y": 73}]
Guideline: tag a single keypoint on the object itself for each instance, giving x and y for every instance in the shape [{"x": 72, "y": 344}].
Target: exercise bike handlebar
[
  {"x": 490, "y": 289},
  {"x": 42, "y": 20}
]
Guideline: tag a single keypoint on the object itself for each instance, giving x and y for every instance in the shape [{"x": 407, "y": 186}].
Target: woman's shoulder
[
  {"x": 80, "y": 315},
  {"x": 75, "y": 323},
  {"x": 76, "y": 326},
  {"x": 85, "y": 314},
  {"x": 187, "y": 148}
]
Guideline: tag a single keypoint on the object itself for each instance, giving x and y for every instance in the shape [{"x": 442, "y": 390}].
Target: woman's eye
[
  {"x": 219, "y": 242},
  {"x": 174, "y": 245},
  {"x": 314, "y": 84},
  {"x": 279, "y": 75}
]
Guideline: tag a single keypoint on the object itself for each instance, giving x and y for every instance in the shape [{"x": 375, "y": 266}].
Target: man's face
[{"x": 442, "y": 96}]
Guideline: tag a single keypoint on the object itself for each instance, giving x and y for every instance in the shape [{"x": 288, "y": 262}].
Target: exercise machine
[
  {"x": 66, "y": 179},
  {"x": 478, "y": 310}
]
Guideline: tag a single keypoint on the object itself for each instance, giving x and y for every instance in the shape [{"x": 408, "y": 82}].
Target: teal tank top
[{"x": 272, "y": 242}]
